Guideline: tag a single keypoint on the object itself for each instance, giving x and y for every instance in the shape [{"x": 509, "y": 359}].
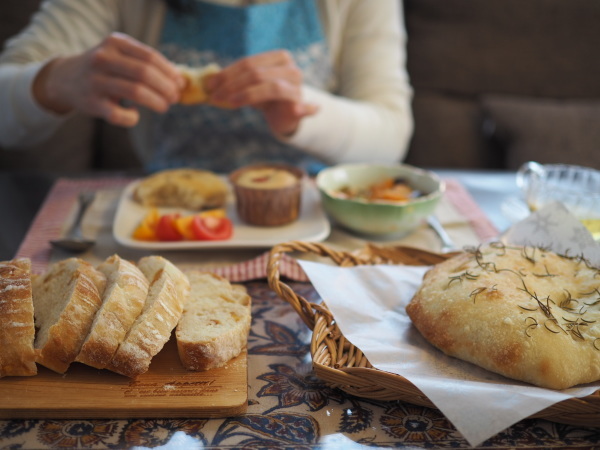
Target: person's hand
[
  {"x": 97, "y": 81},
  {"x": 270, "y": 82}
]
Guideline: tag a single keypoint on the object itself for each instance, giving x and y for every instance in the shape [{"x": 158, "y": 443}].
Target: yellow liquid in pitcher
[{"x": 593, "y": 225}]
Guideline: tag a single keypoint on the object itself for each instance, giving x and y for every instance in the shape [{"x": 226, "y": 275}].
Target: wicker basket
[{"x": 342, "y": 365}]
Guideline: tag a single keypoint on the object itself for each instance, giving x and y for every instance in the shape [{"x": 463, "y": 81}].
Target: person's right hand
[{"x": 97, "y": 81}]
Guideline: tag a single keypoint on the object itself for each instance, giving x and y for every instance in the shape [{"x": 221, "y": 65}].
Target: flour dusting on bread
[
  {"x": 215, "y": 323},
  {"x": 117, "y": 316},
  {"x": 17, "y": 331},
  {"x": 65, "y": 300},
  {"x": 122, "y": 302},
  {"x": 168, "y": 292}
]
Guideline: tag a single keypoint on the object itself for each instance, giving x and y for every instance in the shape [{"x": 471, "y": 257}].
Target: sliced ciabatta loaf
[
  {"x": 215, "y": 322},
  {"x": 65, "y": 300},
  {"x": 123, "y": 300},
  {"x": 168, "y": 292},
  {"x": 17, "y": 331}
]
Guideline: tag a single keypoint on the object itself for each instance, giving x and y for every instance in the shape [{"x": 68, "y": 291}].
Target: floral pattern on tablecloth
[{"x": 288, "y": 407}]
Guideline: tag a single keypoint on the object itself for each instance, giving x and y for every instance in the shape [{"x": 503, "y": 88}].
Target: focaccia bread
[
  {"x": 193, "y": 189},
  {"x": 65, "y": 301},
  {"x": 522, "y": 312},
  {"x": 17, "y": 331},
  {"x": 122, "y": 302},
  {"x": 167, "y": 295},
  {"x": 215, "y": 323}
]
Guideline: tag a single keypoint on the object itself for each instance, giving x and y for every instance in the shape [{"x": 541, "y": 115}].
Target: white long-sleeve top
[{"x": 365, "y": 117}]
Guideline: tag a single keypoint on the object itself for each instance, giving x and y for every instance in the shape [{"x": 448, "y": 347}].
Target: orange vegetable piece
[
  {"x": 145, "y": 233},
  {"x": 217, "y": 212},
  {"x": 184, "y": 226},
  {"x": 146, "y": 230}
]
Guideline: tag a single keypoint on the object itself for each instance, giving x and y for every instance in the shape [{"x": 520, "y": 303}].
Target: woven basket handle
[
  {"x": 303, "y": 307},
  {"x": 372, "y": 255}
]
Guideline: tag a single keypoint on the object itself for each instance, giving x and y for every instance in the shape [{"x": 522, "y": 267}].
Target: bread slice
[
  {"x": 122, "y": 303},
  {"x": 65, "y": 300},
  {"x": 215, "y": 323},
  {"x": 192, "y": 189},
  {"x": 168, "y": 292},
  {"x": 194, "y": 91},
  {"x": 17, "y": 331}
]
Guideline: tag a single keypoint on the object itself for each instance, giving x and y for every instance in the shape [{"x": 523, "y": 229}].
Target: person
[{"x": 309, "y": 83}]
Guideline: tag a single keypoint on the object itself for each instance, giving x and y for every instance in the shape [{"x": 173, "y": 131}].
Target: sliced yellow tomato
[
  {"x": 146, "y": 230},
  {"x": 217, "y": 212},
  {"x": 145, "y": 233},
  {"x": 184, "y": 226}
]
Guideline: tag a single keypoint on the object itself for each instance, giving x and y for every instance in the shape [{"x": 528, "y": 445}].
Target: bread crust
[
  {"x": 66, "y": 299},
  {"x": 214, "y": 326},
  {"x": 17, "y": 331},
  {"x": 167, "y": 294},
  {"x": 525, "y": 313},
  {"x": 193, "y": 189},
  {"x": 122, "y": 302}
]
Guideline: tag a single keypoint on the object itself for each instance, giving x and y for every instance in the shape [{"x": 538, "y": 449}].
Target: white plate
[{"x": 312, "y": 225}]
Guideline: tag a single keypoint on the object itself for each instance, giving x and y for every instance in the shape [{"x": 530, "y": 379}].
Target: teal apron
[{"x": 219, "y": 139}]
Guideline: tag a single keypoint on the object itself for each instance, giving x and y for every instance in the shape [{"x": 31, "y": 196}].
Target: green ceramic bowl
[{"x": 378, "y": 217}]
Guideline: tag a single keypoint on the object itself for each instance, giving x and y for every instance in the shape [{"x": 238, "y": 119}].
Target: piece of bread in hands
[
  {"x": 17, "y": 331},
  {"x": 122, "y": 302},
  {"x": 194, "y": 92},
  {"x": 65, "y": 301},
  {"x": 215, "y": 322},
  {"x": 168, "y": 292}
]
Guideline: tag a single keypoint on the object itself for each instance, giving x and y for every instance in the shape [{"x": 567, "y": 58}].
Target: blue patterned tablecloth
[{"x": 288, "y": 408}]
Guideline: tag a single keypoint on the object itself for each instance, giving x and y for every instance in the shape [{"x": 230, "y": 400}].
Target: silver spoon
[
  {"x": 447, "y": 244},
  {"x": 74, "y": 241}
]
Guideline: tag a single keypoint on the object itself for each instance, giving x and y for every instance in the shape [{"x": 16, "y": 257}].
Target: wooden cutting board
[{"x": 167, "y": 390}]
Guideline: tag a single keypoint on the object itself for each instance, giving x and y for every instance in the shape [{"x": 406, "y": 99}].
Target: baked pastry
[
  {"x": 17, "y": 331},
  {"x": 65, "y": 301},
  {"x": 215, "y": 322},
  {"x": 267, "y": 194},
  {"x": 193, "y": 189},
  {"x": 122, "y": 302},
  {"x": 194, "y": 91},
  {"x": 167, "y": 294},
  {"x": 523, "y": 312}
]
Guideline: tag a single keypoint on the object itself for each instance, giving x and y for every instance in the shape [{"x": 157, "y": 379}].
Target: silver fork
[{"x": 447, "y": 243}]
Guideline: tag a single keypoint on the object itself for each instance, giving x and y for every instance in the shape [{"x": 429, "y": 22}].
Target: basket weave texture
[{"x": 342, "y": 365}]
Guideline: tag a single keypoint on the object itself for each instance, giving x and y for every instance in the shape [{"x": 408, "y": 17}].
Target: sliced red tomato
[
  {"x": 211, "y": 228},
  {"x": 167, "y": 230}
]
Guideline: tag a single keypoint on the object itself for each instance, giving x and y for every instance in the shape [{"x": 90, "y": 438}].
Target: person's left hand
[{"x": 270, "y": 82}]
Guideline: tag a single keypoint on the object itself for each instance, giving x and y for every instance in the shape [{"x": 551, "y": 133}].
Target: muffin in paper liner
[{"x": 268, "y": 194}]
